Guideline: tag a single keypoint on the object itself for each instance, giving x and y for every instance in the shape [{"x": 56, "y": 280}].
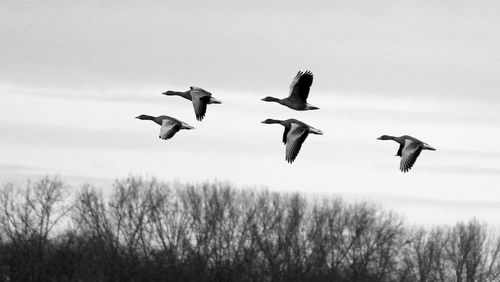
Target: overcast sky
[{"x": 74, "y": 76}]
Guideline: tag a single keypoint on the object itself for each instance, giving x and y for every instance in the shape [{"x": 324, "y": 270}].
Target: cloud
[
  {"x": 428, "y": 211},
  {"x": 383, "y": 49},
  {"x": 18, "y": 168},
  {"x": 75, "y": 75},
  {"x": 63, "y": 137},
  {"x": 464, "y": 169}
]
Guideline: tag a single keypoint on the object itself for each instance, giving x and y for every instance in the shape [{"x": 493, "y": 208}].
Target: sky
[{"x": 73, "y": 76}]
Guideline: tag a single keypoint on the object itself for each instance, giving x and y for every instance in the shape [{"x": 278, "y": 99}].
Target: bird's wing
[
  {"x": 295, "y": 80},
  {"x": 400, "y": 150},
  {"x": 295, "y": 137},
  {"x": 200, "y": 100},
  {"x": 285, "y": 133},
  {"x": 168, "y": 129},
  {"x": 199, "y": 91},
  {"x": 409, "y": 154},
  {"x": 299, "y": 89}
]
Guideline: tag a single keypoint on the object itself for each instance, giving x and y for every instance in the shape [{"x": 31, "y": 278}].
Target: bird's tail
[
  {"x": 214, "y": 101},
  {"x": 428, "y": 147},
  {"x": 186, "y": 126},
  {"x": 171, "y": 93},
  {"x": 315, "y": 131}
]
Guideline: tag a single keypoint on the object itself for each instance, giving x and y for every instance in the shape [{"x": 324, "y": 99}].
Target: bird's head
[
  {"x": 269, "y": 99},
  {"x": 271, "y": 121},
  {"x": 384, "y": 137},
  {"x": 143, "y": 117}
]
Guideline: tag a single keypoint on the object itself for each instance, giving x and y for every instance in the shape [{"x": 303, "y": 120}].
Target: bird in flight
[
  {"x": 409, "y": 150},
  {"x": 294, "y": 135},
  {"x": 200, "y": 98},
  {"x": 169, "y": 125},
  {"x": 299, "y": 91}
]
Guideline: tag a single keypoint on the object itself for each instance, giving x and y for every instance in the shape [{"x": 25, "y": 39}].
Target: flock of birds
[{"x": 295, "y": 132}]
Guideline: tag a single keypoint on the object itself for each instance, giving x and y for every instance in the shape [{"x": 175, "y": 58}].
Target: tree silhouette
[{"x": 146, "y": 230}]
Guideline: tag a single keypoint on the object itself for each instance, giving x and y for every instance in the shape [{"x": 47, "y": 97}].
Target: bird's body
[
  {"x": 409, "y": 149},
  {"x": 200, "y": 98},
  {"x": 169, "y": 125},
  {"x": 299, "y": 91},
  {"x": 294, "y": 135}
]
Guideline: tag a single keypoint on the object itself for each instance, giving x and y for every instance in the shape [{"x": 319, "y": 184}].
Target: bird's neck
[
  {"x": 273, "y": 99},
  {"x": 270, "y": 121},
  {"x": 147, "y": 117},
  {"x": 179, "y": 93},
  {"x": 398, "y": 139}
]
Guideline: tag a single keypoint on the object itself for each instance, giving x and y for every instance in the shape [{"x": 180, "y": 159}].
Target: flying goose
[
  {"x": 199, "y": 97},
  {"x": 299, "y": 91},
  {"x": 409, "y": 150},
  {"x": 294, "y": 135},
  {"x": 169, "y": 125}
]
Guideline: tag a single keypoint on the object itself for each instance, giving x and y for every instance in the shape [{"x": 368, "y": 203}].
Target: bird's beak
[
  {"x": 137, "y": 117},
  {"x": 164, "y": 93},
  {"x": 380, "y": 138}
]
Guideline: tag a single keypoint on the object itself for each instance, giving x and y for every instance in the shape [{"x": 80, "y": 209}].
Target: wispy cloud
[
  {"x": 464, "y": 169},
  {"x": 74, "y": 77},
  {"x": 389, "y": 48},
  {"x": 18, "y": 168}
]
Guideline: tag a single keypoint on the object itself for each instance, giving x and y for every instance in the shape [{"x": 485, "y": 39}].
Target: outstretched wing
[
  {"x": 299, "y": 89},
  {"x": 200, "y": 100},
  {"x": 285, "y": 134},
  {"x": 295, "y": 137},
  {"x": 168, "y": 129},
  {"x": 400, "y": 150},
  {"x": 409, "y": 155},
  {"x": 295, "y": 80}
]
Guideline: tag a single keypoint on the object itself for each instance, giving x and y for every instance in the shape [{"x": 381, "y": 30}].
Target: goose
[
  {"x": 199, "y": 97},
  {"x": 299, "y": 91},
  {"x": 169, "y": 125},
  {"x": 294, "y": 135},
  {"x": 409, "y": 149}
]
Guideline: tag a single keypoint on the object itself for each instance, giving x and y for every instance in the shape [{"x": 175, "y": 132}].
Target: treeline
[{"x": 145, "y": 230}]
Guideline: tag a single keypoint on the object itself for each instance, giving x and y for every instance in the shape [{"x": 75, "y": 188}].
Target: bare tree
[
  {"x": 28, "y": 218},
  {"x": 473, "y": 253},
  {"x": 146, "y": 230},
  {"x": 424, "y": 254}
]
